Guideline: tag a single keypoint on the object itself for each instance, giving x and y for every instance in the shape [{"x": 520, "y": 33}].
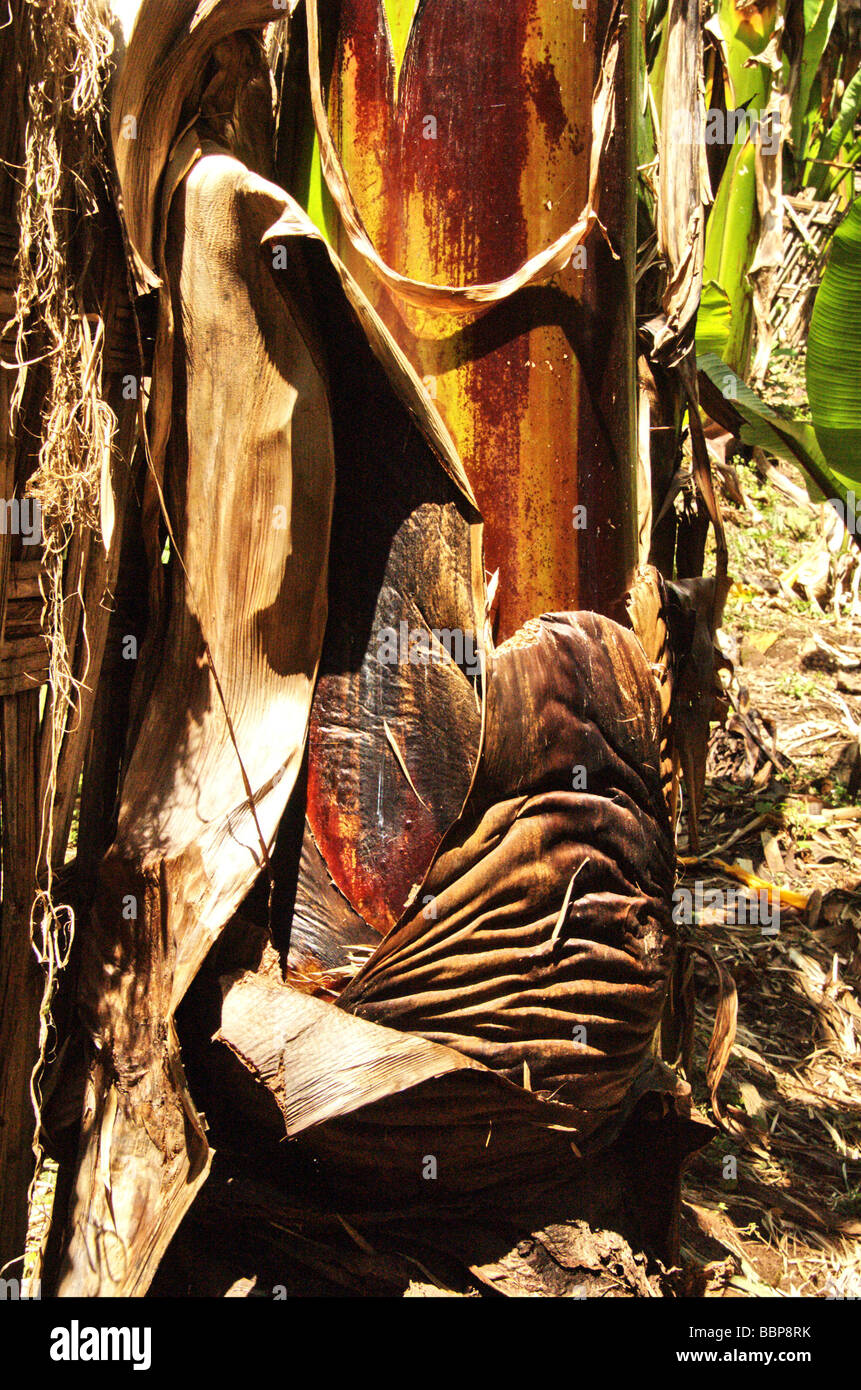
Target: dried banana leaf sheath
[
  {"x": 249, "y": 446},
  {"x": 535, "y": 966},
  {"x": 373, "y": 1100},
  {"x": 545, "y": 948},
  {"x": 396, "y": 720},
  {"x": 225, "y": 686}
]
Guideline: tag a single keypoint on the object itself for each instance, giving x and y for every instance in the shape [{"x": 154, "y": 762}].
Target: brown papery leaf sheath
[
  {"x": 476, "y": 966},
  {"x": 243, "y": 437},
  {"x": 481, "y": 973}
]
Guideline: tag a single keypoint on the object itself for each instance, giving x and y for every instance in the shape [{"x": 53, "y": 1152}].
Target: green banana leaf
[
  {"x": 834, "y": 352},
  {"x": 725, "y": 319},
  {"x": 819, "y": 18},
  {"x": 725, "y": 323},
  {"x": 732, "y": 403},
  {"x": 714, "y": 320},
  {"x": 836, "y": 144},
  {"x": 400, "y": 14},
  {"x": 646, "y": 135},
  {"x": 745, "y": 31}
]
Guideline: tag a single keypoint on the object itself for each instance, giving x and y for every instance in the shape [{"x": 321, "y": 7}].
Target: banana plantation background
[{"x": 372, "y": 374}]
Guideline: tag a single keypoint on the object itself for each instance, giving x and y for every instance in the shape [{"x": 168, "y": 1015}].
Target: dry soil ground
[{"x": 774, "y": 1206}]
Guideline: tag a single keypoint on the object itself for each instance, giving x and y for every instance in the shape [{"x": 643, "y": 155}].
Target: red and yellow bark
[{"x": 467, "y": 155}]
